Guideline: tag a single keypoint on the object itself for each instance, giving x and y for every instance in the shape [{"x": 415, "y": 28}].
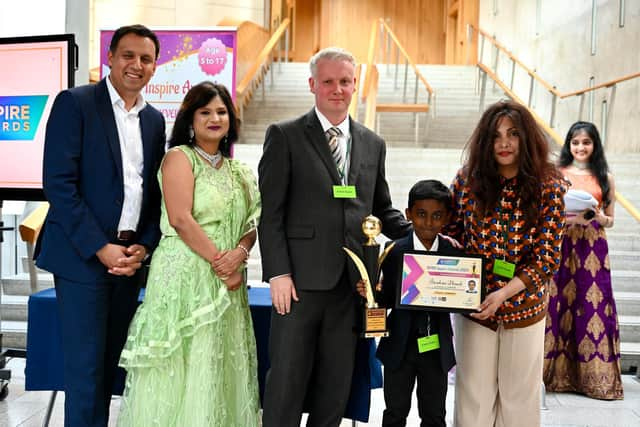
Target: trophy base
[
  {"x": 374, "y": 334},
  {"x": 375, "y": 323}
]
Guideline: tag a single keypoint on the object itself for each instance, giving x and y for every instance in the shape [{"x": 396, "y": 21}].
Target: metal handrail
[
  {"x": 383, "y": 28},
  {"x": 379, "y": 29},
  {"x": 487, "y": 72},
  {"x": 602, "y": 85},
  {"x": 534, "y": 79},
  {"x": 262, "y": 64},
  {"x": 408, "y": 62},
  {"x": 552, "y": 133},
  {"x": 407, "y": 58},
  {"x": 530, "y": 72}
]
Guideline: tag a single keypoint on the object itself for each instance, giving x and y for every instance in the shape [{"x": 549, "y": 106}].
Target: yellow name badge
[
  {"x": 344, "y": 192},
  {"x": 504, "y": 268},
  {"x": 428, "y": 343}
]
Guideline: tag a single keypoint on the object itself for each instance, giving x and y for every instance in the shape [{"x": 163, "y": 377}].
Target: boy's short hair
[{"x": 430, "y": 189}]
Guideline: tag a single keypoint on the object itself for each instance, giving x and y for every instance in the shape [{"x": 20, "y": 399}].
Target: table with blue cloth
[{"x": 44, "y": 351}]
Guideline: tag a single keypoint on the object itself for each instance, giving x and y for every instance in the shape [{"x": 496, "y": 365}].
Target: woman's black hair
[
  {"x": 199, "y": 96},
  {"x": 597, "y": 161}
]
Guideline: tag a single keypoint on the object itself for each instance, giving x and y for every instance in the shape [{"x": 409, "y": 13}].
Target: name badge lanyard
[
  {"x": 505, "y": 232},
  {"x": 427, "y": 342},
  {"x": 425, "y": 328},
  {"x": 502, "y": 267}
]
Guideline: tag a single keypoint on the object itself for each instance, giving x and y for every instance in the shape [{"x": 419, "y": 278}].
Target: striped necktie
[{"x": 335, "y": 147}]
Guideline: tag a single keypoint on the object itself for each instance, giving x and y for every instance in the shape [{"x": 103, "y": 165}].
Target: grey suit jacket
[{"x": 303, "y": 227}]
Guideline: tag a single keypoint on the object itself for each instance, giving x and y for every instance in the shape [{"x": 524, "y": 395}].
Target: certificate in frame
[{"x": 435, "y": 282}]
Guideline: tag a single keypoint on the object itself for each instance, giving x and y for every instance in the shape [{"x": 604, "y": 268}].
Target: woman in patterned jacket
[{"x": 509, "y": 208}]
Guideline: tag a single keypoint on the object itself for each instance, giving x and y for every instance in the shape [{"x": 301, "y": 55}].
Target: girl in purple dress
[{"x": 582, "y": 339}]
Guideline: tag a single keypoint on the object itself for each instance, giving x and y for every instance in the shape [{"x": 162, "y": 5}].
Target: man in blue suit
[{"x": 103, "y": 147}]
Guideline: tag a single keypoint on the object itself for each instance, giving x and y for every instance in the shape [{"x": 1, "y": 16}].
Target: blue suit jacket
[
  {"x": 83, "y": 182},
  {"x": 392, "y": 349}
]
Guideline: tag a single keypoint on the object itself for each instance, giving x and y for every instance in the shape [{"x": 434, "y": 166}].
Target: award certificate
[{"x": 430, "y": 281}]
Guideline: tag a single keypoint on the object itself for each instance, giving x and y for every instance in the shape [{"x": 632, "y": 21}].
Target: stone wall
[{"x": 554, "y": 38}]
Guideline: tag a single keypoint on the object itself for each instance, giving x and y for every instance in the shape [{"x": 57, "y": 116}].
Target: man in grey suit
[{"x": 319, "y": 176}]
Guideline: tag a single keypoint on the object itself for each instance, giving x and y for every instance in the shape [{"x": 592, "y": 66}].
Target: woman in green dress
[{"x": 191, "y": 355}]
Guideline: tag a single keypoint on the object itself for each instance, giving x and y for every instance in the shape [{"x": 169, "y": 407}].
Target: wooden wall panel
[
  {"x": 430, "y": 45},
  {"x": 418, "y": 24},
  {"x": 348, "y": 24},
  {"x": 276, "y": 15},
  {"x": 460, "y": 13},
  {"x": 470, "y": 15},
  {"x": 421, "y": 26},
  {"x": 305, "y": 30}
]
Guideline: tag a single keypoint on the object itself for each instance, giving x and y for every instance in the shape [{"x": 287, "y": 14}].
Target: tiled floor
[{"x": 27, "y": 409}]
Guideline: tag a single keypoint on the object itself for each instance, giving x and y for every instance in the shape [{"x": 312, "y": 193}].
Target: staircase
[
  {"x": 287, "y": 96},
  {"x": 453, "y": 115},
  {"x": 624, "y": 247},
  {"x": 436, "y": 154}
]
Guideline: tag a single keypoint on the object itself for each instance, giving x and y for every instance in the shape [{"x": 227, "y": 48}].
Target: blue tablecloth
[{"x": 44, "y": 356}]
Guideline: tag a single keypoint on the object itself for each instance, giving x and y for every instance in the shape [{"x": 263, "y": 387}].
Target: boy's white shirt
[{"x": 418, "y": 246}]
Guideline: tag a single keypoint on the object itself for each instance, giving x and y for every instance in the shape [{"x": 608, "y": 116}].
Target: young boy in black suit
[{"x": 429, "y": 211}]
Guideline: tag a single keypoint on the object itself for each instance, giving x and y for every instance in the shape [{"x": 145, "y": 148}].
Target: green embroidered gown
[{"x": 191, "y": 355}]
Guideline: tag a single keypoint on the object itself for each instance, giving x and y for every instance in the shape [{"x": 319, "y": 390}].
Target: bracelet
[{"x": 245, "y": 250}]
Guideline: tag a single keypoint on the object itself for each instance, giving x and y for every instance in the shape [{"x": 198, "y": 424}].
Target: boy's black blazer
[{"x": 391, "y": 350}]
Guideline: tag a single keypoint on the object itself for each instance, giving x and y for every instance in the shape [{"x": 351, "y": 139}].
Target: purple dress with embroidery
[{"x": 582, "y": 338}]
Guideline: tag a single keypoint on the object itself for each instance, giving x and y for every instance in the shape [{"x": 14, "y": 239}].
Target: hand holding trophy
[{"x": 375, "y": 318}]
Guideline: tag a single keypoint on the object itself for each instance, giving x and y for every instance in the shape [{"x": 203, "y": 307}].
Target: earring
[{"x": 191, "y": 134}]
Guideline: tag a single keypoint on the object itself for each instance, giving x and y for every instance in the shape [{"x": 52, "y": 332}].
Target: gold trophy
[{"x": 375, "y": 318}]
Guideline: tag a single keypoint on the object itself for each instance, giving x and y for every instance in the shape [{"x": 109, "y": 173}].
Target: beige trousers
[{"x": 498, "y": 375}]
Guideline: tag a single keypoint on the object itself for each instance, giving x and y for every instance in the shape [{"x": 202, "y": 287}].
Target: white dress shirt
[
  {"x": 130, "y": 137},
  {"x": 418, "y": 246}
]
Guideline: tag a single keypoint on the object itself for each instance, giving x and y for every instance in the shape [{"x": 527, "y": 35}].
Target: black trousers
[
  {"x": 94, "y": 320},
  {"x": 312, "y": 351},
  {"x": 431, "y": 394}
]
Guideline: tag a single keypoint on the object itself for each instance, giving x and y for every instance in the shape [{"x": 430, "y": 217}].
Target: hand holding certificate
[{"x": 431, "y": 281}]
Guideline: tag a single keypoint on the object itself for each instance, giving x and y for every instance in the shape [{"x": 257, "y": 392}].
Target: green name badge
[
  {"x": 344, "y": 192},
  {"x": 504, "y": 268},
  {"x": 428, "y": 343}
]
